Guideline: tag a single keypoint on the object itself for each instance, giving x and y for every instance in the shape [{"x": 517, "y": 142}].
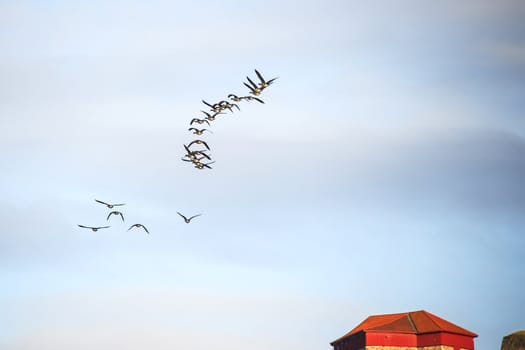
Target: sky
[{"x": 384, "y": 173}]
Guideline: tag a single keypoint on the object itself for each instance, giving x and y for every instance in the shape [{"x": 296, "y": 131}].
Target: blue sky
[{"x": 385, "y": 172}]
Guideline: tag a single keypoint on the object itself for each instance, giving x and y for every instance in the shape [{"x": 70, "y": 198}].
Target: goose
[
  {"x": 199, "y": 142},
  {"x": 226, "y": 104},
  {"x": 199, "y": 131},
  {"x": 110, "y": 206},
  {"x": 264, "y": 83},
  {"x": 254, "y": 89},
  {"x": 247, "y": 98},
  {"x": 187, "y": 220},
  {"x": 211, "y": 117},
  {"x": 215, "y": 108},
  {"x": 193, "y": 154},
  {"x": 200, "y": 165},
  {"x": 116, "y": 213},
  {"x": 199, "y": 121},
  {"x": 94, "y": 229},
  {"x": 139, "y": 226}
]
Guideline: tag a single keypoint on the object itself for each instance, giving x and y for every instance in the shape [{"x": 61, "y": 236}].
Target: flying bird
[
  {"x": 264, "y": 83},
  {"x": 94, "y": 229},
  {"x": 211, "y": 117},
  {"x": 116, "y": 213},
  {"x": 139, "y": 226},
  {"x": 199, "y": 131},
  {"x": 187, "y": 220},
  {"x": 254, "y": 89},
  {"x": 110, "y": 206},
  {"x": 200, "y": 165},
  {"x": 215, "y": 108},
  {"x": 229, "y": 105},
  {"x": 199, "y": 121},
  {"x": 236, "y": 98},
  {"x": 193, "y": 154},
  {"x": 199, "y": 142}
]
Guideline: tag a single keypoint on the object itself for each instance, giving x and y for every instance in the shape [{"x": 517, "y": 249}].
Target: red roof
[{"x": 415, "y": 322}]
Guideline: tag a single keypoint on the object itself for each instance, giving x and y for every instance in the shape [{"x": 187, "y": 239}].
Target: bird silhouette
[
  {"x": 236, "y": 98},
  {"x": 200, "y": 165},
  {"x": 264, "y": 83},
  {"x": 187, "y": 220},
  {"x": 110, "y": 206},
  {"x": 254, "y": 89},
  {"x": 199, "y": 142},
  {"x": 211, "y": 117},
  {"x": 199, "y": 131},
  {"x": 94, "y": 229},
  {"x": 116, "y": 213},
  {"x": 199, "y": 121},
  {"x": 215, "y": 108},
  {"x": 139, "y": 226},
  {"x": 228, "y": 105},
  {"x": 193, "y": 154}
]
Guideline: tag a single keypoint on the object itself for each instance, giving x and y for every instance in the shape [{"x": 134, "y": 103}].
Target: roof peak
[{"x": 412, "y": 322}]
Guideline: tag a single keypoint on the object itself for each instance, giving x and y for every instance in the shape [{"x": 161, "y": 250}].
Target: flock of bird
[
  {"x": 119, "y": 213},
  {"x": 197, "y": 156}
]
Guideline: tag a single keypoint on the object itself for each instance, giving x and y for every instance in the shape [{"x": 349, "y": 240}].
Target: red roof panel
[{"x": 415, "y": 322}]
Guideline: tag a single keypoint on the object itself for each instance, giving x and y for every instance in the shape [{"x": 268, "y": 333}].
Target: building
[{"x": 417, "y": 330}]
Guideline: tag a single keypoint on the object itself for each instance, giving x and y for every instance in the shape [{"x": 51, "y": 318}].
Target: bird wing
[
  {"x": 258, "y": 99},
  {"x": 205, "y": 155},
  {"x": 260, "y": 76},
  {"x": 251, "y": 82},
  {"x": 145, "y": 229},
  {"x": 205, "y": 144},
  {"x": 122, "y": 216},
  {"x": 119, "y": 205},
  {"x": 113, "y": 212},
  {"x": 96, "y": 200},
  {"x": 207, "y": 104},
  {"x": 194, "y": 216},
  {"x": 84, "y": 226},
  {"x": 271, "y": 80},
  {"x": 249, "y": 87},
  {"x": 182, "y": 216},
  {"x": 98, "y": 228}
]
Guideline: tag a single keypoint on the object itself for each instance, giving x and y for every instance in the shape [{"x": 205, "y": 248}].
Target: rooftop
[{"x": 415, "y": 322}]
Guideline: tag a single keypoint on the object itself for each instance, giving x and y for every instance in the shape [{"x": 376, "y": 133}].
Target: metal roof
[{"x": 415, "y": 322}]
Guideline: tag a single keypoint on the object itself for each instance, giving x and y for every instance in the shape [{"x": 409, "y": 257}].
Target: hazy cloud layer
[{"x": 384, "y": 172}]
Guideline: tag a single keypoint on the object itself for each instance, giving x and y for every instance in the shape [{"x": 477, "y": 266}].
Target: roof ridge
[{"x": 412, "y": 323}]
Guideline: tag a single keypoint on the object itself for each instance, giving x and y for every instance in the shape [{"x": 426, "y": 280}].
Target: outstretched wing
[
  {"x": 260, "y": 76},
  {"x": 207, "y": 104},
  {"x": 96, "y": 200},
  {"x": 194, "y": 216},
  {"x": 84, "y": 226},
  {"x": 251, "y": 82},
  {"x": 182, "y": 216},
  {"x": 249, "y": 87}
]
